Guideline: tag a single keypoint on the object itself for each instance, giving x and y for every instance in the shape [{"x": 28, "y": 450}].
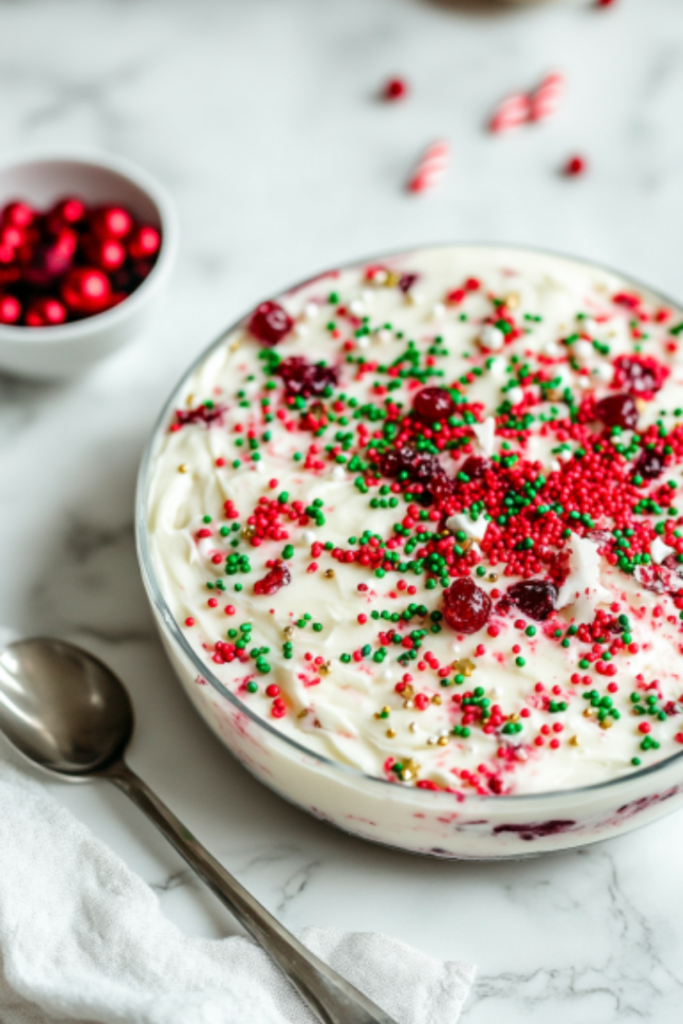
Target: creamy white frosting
[{"x": 340, "y": 711}]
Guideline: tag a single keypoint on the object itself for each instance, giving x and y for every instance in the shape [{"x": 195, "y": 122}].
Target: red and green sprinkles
[{"x": 611, "y": 480}]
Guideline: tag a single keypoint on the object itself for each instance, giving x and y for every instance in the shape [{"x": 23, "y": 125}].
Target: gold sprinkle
[
  {"x": 411, "y": 766},
  {"x": 190, "y": 399},
  {"x": 324, "y": 669},
  {"x": 386, "y": 710},
  {"x": 512, "y": 300},
  {"x": 408, "y": 692},
  {"x": 574, "y": 742},
  {"x": 329, "y": 574},
  {"x": 406, "y": 775},
  {"x": 492, "y": 577},
  {"x": 302, "y": 713},
  {"x": 248, "y": 531},
  {"x": 390, "y": 734},
  {"x": 391, "y": 280},
  {"x": 289, "y": 631},
  {"x": 590, "y": 713},
  {"x": 183, "y": 467},
  {"x": 409, "y": 704},
  {"x": 235, "y": 345},
  {"x": 316, "y": 409},
  {"x": 442, "y": 741},
  {"x": 464, "y": 666},
  {"x": 606, "y": 723},
  {"x": 436, "y": 699},
  {"x": 514, "y": 718}
]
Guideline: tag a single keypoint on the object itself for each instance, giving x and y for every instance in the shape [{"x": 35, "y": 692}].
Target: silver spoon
[{"x": 69, "y": 714}]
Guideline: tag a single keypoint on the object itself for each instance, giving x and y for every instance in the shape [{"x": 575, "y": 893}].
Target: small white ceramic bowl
[{"x": 69, "y": 349}]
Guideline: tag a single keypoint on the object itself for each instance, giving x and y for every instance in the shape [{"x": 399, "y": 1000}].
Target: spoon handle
[{"x": 330, "y": 997}]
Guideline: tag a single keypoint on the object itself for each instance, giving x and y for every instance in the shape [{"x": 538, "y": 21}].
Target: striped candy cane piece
[
  {"x": 511, "y": 113},
  {"x": 547, "y": 97},
  {"x": 431, "y": 168}
]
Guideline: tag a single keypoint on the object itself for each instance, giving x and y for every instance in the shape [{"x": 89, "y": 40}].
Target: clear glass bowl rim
[{"x": 155, "y": 594}]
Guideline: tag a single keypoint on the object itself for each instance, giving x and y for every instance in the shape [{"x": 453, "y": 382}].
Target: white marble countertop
[{"x": 262, "y": 118}]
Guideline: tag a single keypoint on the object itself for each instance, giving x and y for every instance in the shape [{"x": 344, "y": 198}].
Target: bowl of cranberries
[{"x": 86, "y": 247}]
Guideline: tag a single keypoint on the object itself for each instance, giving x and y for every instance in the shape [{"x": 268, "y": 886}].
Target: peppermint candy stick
[
  {"x": 512, "y": 112},
  {"x": 546, "y": 99},
  {"x": 431, "y": 167}
]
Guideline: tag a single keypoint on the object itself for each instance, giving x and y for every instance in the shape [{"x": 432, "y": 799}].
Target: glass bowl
[{"x": 411, "y": 819}]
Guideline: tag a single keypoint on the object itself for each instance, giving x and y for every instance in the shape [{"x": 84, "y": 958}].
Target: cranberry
[
  {"x": 106, "y": 253},
  {"x": 111, "y": 222},
  {"x": 395, "y": 89},
  {"x": 45, "y": 312},
  {"x": 144, "y": 242},
  {"x": 649, "y": 465},
  {"x": 86, "y": 291},
  {"x": 68, "y": 212},
  {"x": 420, "y": 466},
  {"x": 575, "y": 165},
  {"x": 641, "y": 375},
  {"x": 19, "y": 214},
  {"x": 305, "y": 379},
  {"x": 10, "y": 309},
  {"x": 432, "y": 404},
  {"x": 270, "y": 323},
  {"x": 474, "y": 467},
  {"x": 279, "y": 576},
  {"x": 618, "y": 411},
  {"x": 200, "y": 414},
  {"x": 535, "y": 598},
  {"x": 466, "y": 607},
  {"x": 440, "y": 486},
  {"x": 48, "y": 262}
]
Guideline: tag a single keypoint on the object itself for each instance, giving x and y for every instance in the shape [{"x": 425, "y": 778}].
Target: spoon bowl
[{"x": 62, "y": 708}]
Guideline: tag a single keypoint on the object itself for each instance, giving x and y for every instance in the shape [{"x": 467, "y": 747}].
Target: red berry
[
  {"x": 21, "y": 215},
  {"x": 279, "y": 576},
  {"x": 12, "y": 236},
  {"x": 67, "y": 212},
  {"x": 45, "y": 312},
  {"x": 649, "y": 465},
  {"x": 641, "y": 375},
  {"x": 433, "y": 404},
  {"x": 7, "y": 255},
  {"x": 474, "y": 467},
  {"x": 111, "y": 222},
  {"x": 10, "y": 309},
  {"x": 466, "y": 607},
  {"x": 575, "y": 165},
  {"x": 270, "y": 323},
  {"x": 106, "y": 253},
  {"x": 47, "y": 262},
  {"x": 86, "y": 291},
  {"x": 305, "y": 379},
  {"x": 536, "y": 598},
  {"x": 396, "y": 89},
  {"x": 618, "y": 411},
  {"x": 144, "y": 242}
]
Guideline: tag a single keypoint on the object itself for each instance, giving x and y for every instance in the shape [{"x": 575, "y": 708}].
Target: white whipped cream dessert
[{"x": 425, "y": 517}]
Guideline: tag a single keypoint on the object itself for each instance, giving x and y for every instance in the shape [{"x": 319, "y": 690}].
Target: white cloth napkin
[{"x": 82, "y": 938}]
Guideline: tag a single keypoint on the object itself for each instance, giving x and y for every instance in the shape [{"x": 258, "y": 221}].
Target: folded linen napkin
[{"x": 82, "y": 938}]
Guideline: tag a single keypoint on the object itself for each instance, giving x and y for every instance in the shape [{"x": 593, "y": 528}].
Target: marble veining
[{"x": 263, "y": 120}]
